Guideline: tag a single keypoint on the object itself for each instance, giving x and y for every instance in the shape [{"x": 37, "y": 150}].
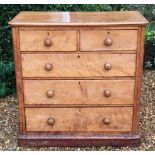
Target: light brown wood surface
[
  {"x": 79, "y": 119},
  {"x": 58, "y": 28},
  {"x": 93, "y": 40},
  {"x": 115, "y": 18},
  {"x": 61, "y": 40},
  {"x": 79, "y": 91},
  {"x": 19, "y": 82},
  {"x": 74, "y": 65},
  {"x": 139, "y": 70}
]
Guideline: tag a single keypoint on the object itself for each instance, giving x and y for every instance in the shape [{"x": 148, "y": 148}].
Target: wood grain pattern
[
  {"x": 115, "y": 18},
  {"x": 79, "y": 91},
  {"x": 139, "y": 70},
  {"x": 19, "y": 83},
  {"x": 61, "y": 40},
  {"x": 75, "y": 65},
  {"x": 93, "y": 40},
  {"x": 79, "y": 119}
]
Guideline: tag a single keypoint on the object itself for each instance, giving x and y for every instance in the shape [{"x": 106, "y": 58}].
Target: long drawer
[
  {"x": 75, "y": 65},
  {"x": 78, "y": 92},
  {"x": 108, "y": 119}
]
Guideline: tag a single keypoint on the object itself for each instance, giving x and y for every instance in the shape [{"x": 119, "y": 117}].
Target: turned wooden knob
[
  {"x": 47, "y": 42},
  {"x": 108, "y": 66},
  {"x": 50, "y": 93},
  {"x": 51, "y": 121},
  {"x": 108, "y": 42},
  {"x": 106, "y": 121},
  {"x": 107, "y": 93},
  {"x": 48, "y": 67}
]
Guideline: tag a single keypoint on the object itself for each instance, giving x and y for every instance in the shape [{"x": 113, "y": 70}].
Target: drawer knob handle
[
  {"x": 107, "y": 93},
  {"x": 51, "y": 121},
  {"x": 106, "y": 121},
  {"x": 48, "y": 67},
  {"x": 47, "y": 42},
  {"x": 108, "y": 66},
  {"x": 108, "y": 42},
  {"x": 50, "y": 93}
]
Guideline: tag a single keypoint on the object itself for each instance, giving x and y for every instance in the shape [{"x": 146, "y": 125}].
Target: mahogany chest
[{"x": 78, "y": 77}]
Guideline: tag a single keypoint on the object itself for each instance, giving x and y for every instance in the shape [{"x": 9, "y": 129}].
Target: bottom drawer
[{"x": 108, "y": 119}]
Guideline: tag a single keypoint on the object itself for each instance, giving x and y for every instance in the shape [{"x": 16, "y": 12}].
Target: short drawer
[
  {"x": 48, "y": 40},
  {"x": 95, "y": 40},
  {"x": 74, "y": 65},
  {"x": 78, "y": 92},
  {"x": 108, "y": 119}
]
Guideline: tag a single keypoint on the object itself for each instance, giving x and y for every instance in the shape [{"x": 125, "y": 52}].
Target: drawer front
[
  {"x": 74, "y": 65},
  {"x": 79, "y": 119},
  {"x": 78, "y": 91},
  {"x": 48, "y": 40},
  {"x": 94, "y": 40}
]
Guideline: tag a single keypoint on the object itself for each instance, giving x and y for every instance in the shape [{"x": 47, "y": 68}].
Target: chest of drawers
[{"x": 78, "y": 77}]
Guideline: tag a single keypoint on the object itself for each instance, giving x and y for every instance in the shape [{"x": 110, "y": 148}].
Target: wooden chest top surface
[{"x": 29, "y": 18}]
